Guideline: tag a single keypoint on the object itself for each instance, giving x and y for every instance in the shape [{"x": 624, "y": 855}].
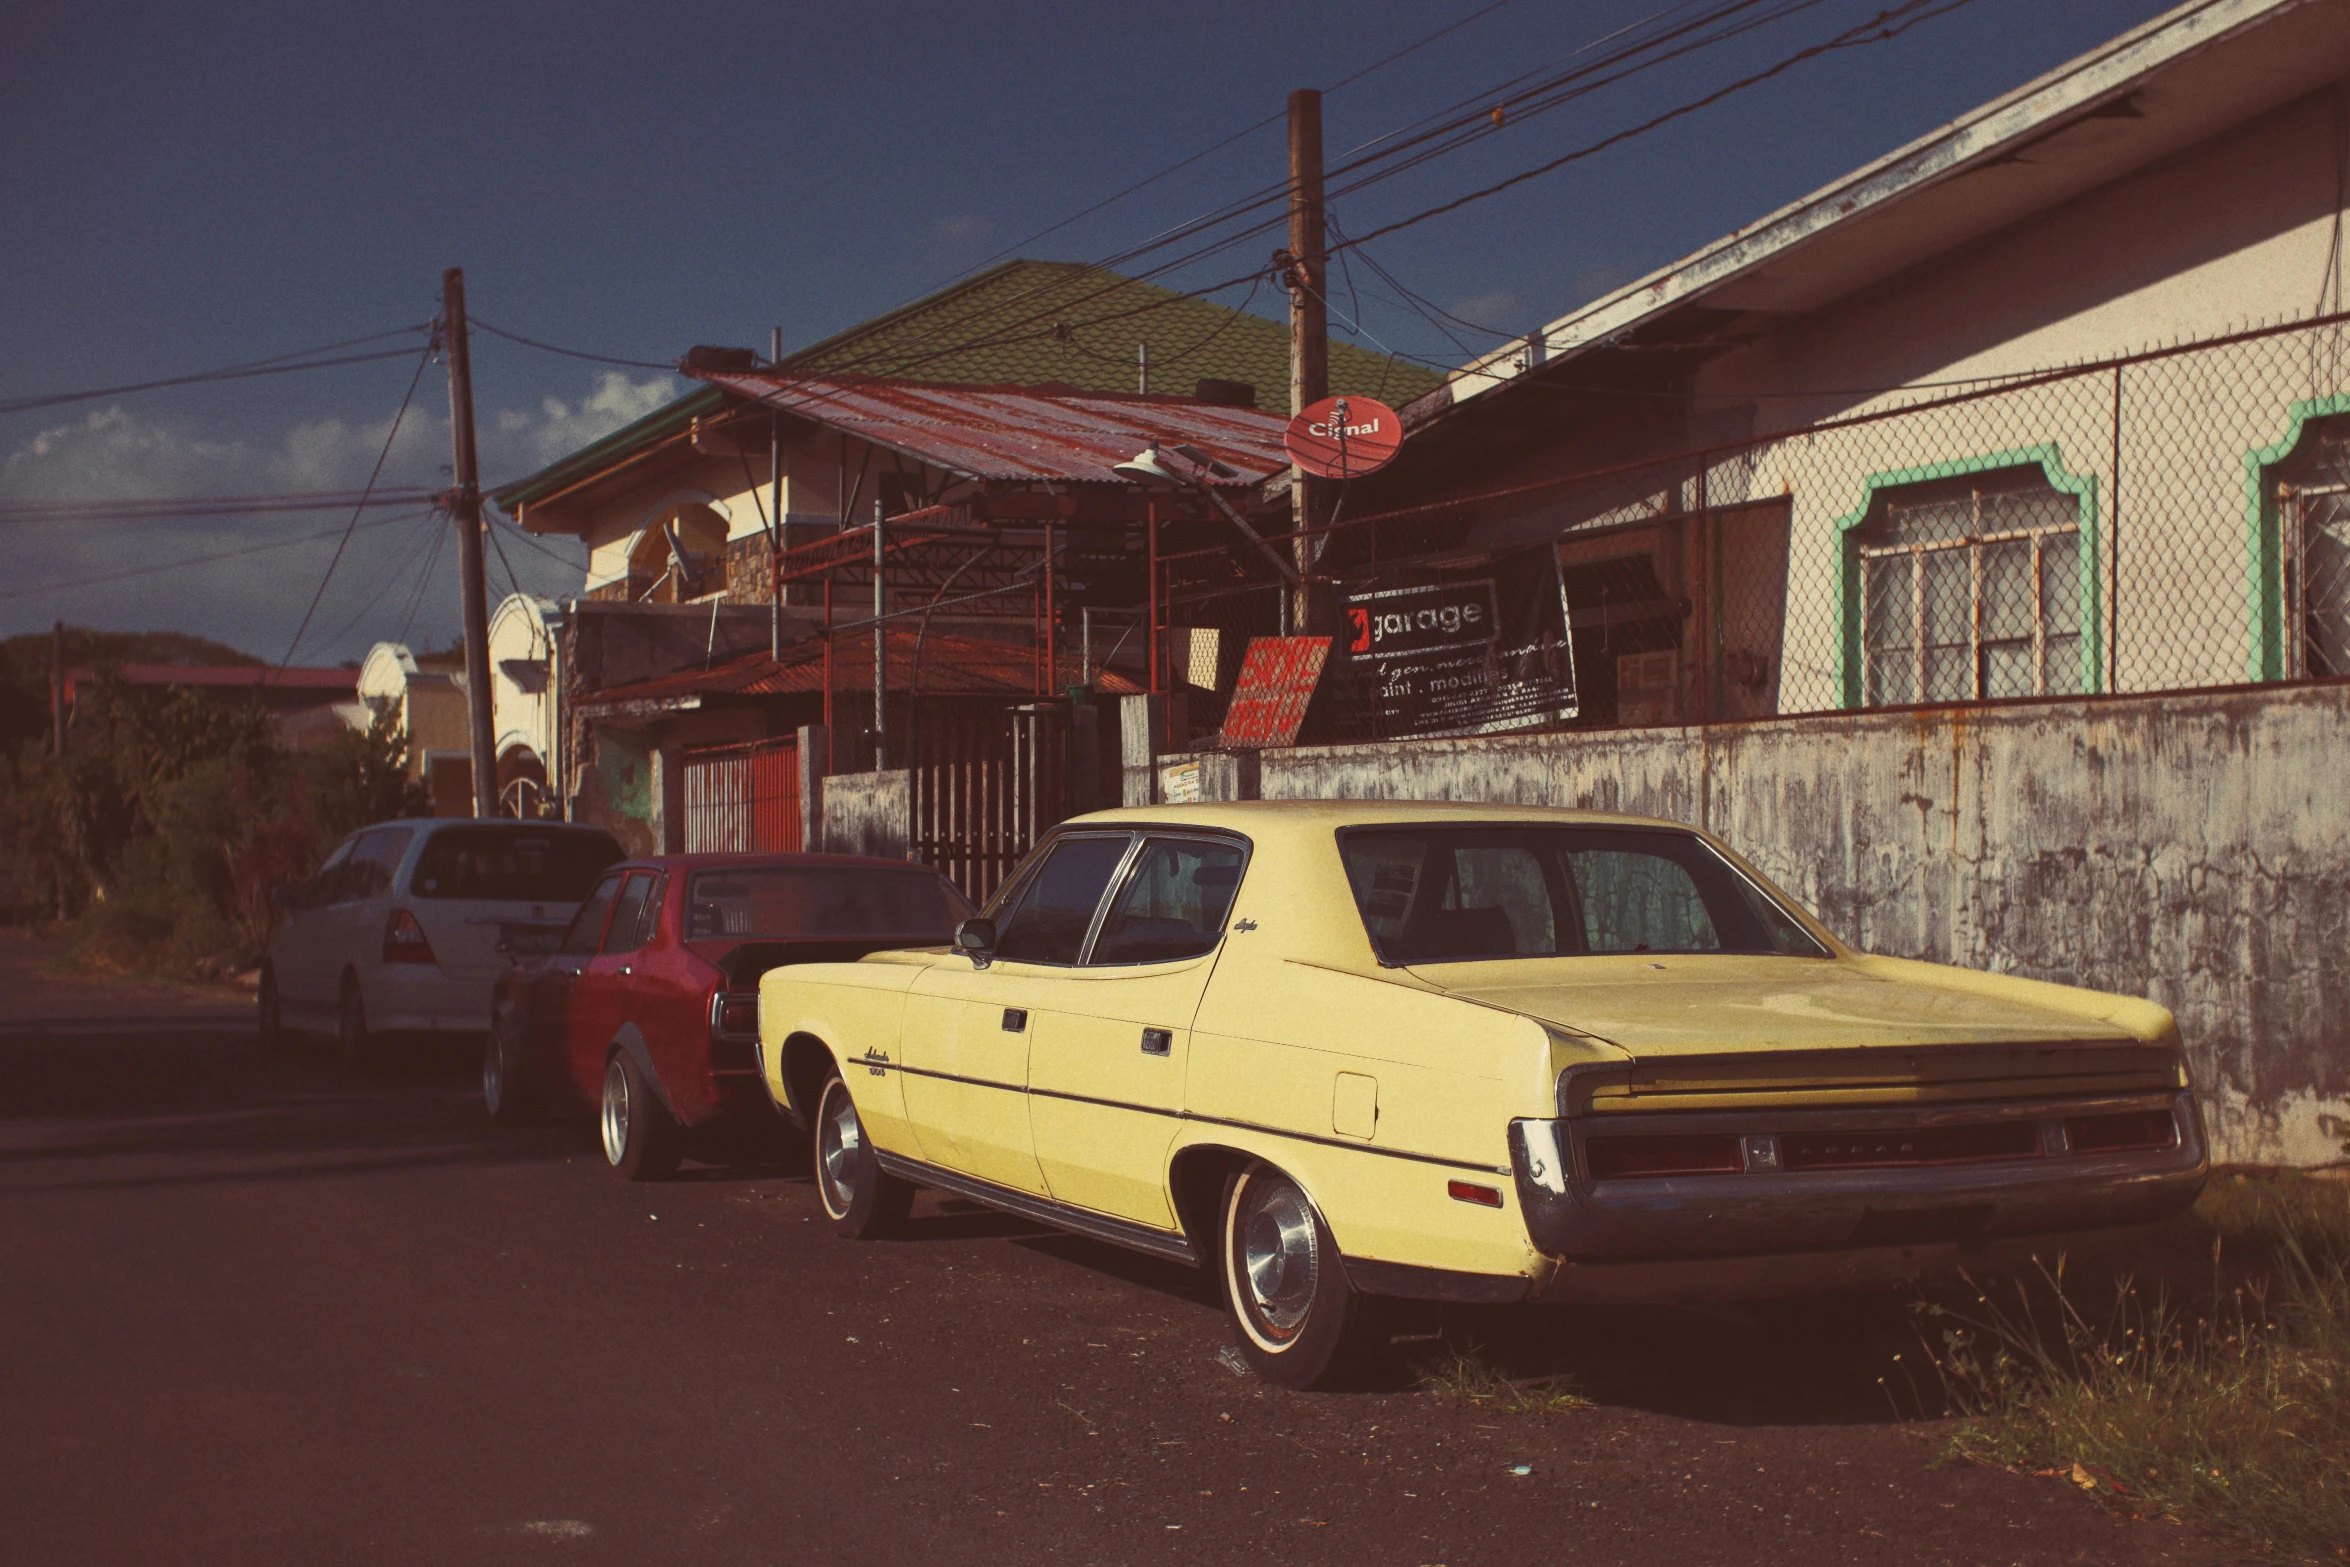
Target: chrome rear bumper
[{"x": 1895, "y": 1211}]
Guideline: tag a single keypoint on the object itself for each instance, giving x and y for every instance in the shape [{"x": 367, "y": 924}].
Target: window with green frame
[
  {"x": 2313, "y": 551},
  {"x": 1969, "y": 588}
]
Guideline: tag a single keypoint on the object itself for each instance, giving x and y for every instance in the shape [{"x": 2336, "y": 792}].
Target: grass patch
[
  {"x": 1466, "y": 1374},
  {"x": 2216, "y": 1396}
]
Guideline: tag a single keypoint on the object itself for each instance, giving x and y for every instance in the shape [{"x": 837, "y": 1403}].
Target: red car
[{"x": 648, "y": 1008}]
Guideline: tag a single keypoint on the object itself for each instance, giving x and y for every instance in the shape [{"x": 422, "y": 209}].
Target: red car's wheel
[
  {"x": 640, "y": 1139},
  {"x": 505, "y": 1082}
]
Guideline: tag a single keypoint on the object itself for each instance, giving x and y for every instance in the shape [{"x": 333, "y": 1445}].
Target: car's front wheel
[
  {"x": 505, "y": 1084},
  {"x": 640, "y": 1139},
  {"x": 1300, "y": 1323},
  {"x": 861, "y": 1199}
]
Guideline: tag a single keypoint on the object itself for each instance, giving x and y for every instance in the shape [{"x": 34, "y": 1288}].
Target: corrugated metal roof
[
  {"x": 953, "y": 664},
  {"x": 1019, "y": 435}
]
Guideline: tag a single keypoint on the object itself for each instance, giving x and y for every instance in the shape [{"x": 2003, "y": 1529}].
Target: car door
[
  {"x": 605, "y": 992},
  {"x": 301, "y": 955},
  {"x": 1111, "y": 1041},
  {"x": 355, "y": 921},
  {"x": 555, "y": 1035},
  {"x": 966, "y": 1036}
]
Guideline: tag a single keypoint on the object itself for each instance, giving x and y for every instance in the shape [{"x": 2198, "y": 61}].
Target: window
[
  {"x": 588, "y": 923},
  {"x": 2314, "y": 552},
  {"x": 512, "y": 864},
  {"x": 1057, "y": 906},
  {"x": 367, "y": 873},
  {"x": 1448, "y": 894},
  {"x": 634, "y": 914},
  {"x": 1970, "y": 588},
  {"x": 821, "y": 900},
  {"x": 1173, "y": 904}
]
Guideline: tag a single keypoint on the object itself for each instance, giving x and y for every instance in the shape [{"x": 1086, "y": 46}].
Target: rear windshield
[
  {"x": 512, "y": 864},
  {"x": 821, "y": 900},
  {"x": 1453, "y": 894}
]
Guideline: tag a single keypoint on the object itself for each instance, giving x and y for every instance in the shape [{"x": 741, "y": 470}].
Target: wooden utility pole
[
  {"x": 473, "y": 579},
  {"x": 1309, "y": 328},
  {"x": 775, "y": 508}
]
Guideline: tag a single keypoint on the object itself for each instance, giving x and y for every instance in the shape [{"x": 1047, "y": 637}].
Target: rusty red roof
[
  {"x": 953, "y": 664},
  {"x": 235, "y": 676},
  {"x": 1020, "y": 434}
]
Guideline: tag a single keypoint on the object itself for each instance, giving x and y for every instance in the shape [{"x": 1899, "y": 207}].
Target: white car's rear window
[{"x": 500, "y": 863}]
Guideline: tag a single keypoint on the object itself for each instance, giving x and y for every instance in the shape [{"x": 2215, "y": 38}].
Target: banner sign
[
  {"x": 1455, "y": 649},
  {"x": 1277, "y": 680}
]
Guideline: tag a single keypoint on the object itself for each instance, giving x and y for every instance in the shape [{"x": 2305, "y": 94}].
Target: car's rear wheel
[
  {"x": 861, "y": 1199},
  {"x": 505, "y": 1083},
  {"x": 353, "y": 1042},
  {"x": 640, "y": 1138},
  {"x": 270, "y": 1008},
  {"x": 1300, "y": 1323}
]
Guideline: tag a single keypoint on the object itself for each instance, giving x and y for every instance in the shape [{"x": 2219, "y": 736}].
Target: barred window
[
  {"x": 2314, "y": 488},
  {"x": 1971, "y": 588}
]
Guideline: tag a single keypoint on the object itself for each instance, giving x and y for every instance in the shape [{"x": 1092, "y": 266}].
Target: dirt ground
[{"x": 257, "y": 1310}]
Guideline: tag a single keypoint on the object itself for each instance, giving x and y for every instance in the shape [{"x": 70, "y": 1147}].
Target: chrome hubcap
[
  {"x": 493, "y": 1072},
  {"x": 616, "y": 1108},
  {"x": 838, "y": 1143},
  {"x": 1278, "y": 1256}
]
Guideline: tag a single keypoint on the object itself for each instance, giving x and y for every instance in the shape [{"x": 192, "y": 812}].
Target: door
[
  {"x": 603, "y": 996},
  {"x": 554, "y": 992},
  {"x": 301, "y": 955},
  {"x": 966, "y": 1039},
  {"x": 1105, "y": 1069}
]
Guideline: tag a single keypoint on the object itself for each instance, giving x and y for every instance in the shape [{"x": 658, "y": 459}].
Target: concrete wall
[{"x": 2193, "y": 849}]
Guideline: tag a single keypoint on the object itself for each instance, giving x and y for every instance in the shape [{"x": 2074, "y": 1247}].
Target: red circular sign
[{"x": 1344, "y": 437}]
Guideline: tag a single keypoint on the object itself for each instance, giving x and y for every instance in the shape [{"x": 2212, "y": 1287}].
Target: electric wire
[
  {"x": 391, "y": 579},
  {"x": 373, "y": 474},
  {"x": 432, "y": 558},
  {"x": 275, "y": 365},
  {"x": 200, "y": 560},
  {"x": 176, "y": 508},
  {"x": 570, "y": 353}
]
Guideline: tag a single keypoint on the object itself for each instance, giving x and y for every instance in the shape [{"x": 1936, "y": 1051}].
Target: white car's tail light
[{"x": 404, "y": 940}]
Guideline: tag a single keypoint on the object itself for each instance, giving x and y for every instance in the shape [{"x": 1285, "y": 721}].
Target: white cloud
[{"x": 254, "y": 601}]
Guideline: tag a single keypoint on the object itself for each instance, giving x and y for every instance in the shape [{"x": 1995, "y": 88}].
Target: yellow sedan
[{"x": 1339, "y": 1049}]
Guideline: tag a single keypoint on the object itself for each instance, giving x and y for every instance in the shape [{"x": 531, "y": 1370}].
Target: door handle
[
  {"x": 1158, "y": 1041},
  {"x": 625, "y": 971}
]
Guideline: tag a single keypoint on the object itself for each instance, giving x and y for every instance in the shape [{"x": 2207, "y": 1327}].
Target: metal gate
[
  {"x": 980, "y": 775},
  {"x": 742, "y": 798}
]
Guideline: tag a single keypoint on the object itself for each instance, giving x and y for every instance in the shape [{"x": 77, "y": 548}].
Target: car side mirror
[{"x": 975, "y": 937}]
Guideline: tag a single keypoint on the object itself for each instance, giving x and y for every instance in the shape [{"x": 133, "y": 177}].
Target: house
[
  {"x": 1968, "y": 542},
  {"x": 977, "y": 430}
]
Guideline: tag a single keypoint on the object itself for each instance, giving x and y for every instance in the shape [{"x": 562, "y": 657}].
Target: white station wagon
[{"x": 408, "y": 924}]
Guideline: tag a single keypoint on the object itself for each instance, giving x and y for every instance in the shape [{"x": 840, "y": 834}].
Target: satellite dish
[{"x": 1344, "y": 437}]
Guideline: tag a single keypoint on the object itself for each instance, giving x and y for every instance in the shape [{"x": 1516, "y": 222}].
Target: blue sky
[{"x": 188, "y": 187}]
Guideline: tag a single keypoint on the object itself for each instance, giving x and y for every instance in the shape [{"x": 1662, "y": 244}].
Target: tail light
[
  {"x": 734, "y": 1014},
  {"x": 2127, "y": 1131},
  {"x": 404, "y": 940}
]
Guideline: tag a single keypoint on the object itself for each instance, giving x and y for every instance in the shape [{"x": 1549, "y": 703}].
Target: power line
[
  {"x": 373, "y": 474},
  {"x": 275, "y": 365},
  {"x": 390, "y": 581},
  {"x": 199, "y": 560},
  {"x": 432, "y": 558},
  {"x": 569, "y": 353},
  {"x": 174, "y": 508}
]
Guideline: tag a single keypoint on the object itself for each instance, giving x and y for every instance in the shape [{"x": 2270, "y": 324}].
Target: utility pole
[
  {"x": 775, "y": 507},
  {"x": 473, "y": 581},
  {"x": 1309, "y": 329},
  {"x": 880, "y": 651}
]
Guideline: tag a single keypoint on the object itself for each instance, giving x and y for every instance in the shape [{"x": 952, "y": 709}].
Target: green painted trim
[
  {"x": 2082, "y": 487},
  {"x": 2264, "y": 540}
]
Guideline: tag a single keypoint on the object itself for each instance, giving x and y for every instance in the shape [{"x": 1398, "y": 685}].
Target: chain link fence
[{"x": 2174, "y": 520}]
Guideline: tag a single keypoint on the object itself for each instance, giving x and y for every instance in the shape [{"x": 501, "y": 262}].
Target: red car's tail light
[
  {"x": 1631, "y": 1158},
  {"x": 2126, "y": 1131},
  {"x": 734, "y": 1012},
  {"x": 404, "y": 940}
]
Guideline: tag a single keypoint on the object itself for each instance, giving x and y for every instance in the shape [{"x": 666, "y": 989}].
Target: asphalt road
[{"x": 254, "y": 1310}]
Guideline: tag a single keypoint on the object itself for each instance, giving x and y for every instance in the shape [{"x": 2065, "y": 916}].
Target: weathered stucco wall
[
  {"x": 2194, "y": 849},
  {"x": 869, "y": 813}
]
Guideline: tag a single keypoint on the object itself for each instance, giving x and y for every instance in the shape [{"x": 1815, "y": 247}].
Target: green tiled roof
[{"x": 1027, "y": 323}]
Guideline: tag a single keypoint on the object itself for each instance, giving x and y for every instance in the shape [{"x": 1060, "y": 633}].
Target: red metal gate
[{"x": 743, "y": 797}]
